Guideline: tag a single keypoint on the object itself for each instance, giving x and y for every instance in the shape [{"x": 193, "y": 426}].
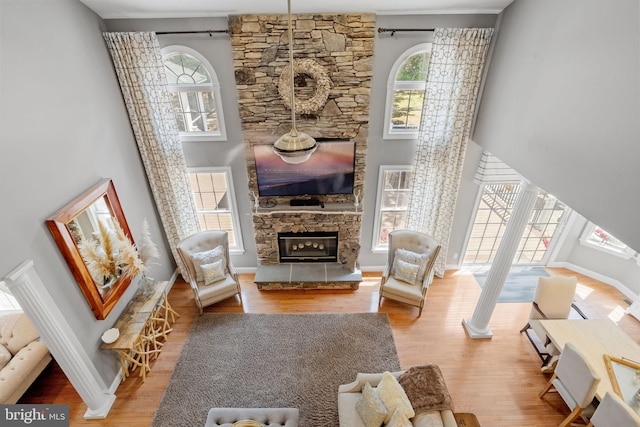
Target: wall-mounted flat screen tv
[{"x": 328, "y": 171}]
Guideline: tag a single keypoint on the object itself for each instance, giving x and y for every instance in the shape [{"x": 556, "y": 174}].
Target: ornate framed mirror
[{"x": 91, "y": 232}]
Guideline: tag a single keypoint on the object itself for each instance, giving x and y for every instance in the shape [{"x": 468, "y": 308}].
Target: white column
[
  {"x": 478, "y": 325},
  {"x": 36, "y": 301}
]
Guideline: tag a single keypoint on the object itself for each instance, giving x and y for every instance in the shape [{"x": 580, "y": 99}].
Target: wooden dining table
[{"x": 594, "y": 338}]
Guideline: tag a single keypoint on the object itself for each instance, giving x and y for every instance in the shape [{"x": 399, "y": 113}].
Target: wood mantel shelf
[{"x": 329, "y": 208}]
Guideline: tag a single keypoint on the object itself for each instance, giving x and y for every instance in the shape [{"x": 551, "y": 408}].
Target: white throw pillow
[
  {"x": 370, "y": 407},
  {"x": 414, "y": 258},
  {"x": 213, "y": 272},
  {"x": 394, "y": 397},
  {"x": 5, "y": 356},
  {"x": 405, "y": 271},
  {"x": 399, "y": 419},
  {"x": 207, "y": 257}
]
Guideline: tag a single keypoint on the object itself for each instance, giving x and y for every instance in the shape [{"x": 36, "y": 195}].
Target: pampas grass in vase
[{"x": 148, "y": 251}]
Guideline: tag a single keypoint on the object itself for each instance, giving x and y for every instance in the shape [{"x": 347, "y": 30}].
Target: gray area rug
[
  {"x": 274, "y": 360},
  {"x": 520, "y": 285}
]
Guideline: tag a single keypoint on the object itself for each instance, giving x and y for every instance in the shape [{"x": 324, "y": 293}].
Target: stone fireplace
[{"x": 340, "y": 47}]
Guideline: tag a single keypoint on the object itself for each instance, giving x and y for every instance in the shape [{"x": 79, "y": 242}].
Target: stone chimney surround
[{"x": 341, "y": 48}]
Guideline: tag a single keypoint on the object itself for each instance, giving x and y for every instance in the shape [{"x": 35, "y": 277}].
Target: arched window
[
  {"x": 195, "y": 94},
  {"x": 405, "y": 93}
]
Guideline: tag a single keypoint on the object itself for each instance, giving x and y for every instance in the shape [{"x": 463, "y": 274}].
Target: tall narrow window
[
  {"x": 492, "y": 215},
  {"x": 216, "y": 202},
  {"x": 195, "y": 94},
  {"x": 405, "y": 93},
  {"x": 391, "y": 204}
]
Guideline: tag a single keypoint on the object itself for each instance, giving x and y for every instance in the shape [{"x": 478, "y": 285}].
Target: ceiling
[{"x": 120, "y": 9}]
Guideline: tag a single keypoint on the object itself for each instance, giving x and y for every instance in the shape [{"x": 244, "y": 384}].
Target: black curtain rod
[
  {"x": 397, "y": 30},
  {"x": 210, "y": 32}
]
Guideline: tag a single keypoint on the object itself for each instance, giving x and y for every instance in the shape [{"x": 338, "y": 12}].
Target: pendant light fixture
[{"x": 294, "y": 147}]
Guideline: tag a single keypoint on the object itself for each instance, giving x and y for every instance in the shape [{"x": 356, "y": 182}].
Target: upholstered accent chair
[
  {"x": 553, "y": 299},
  {"x": 409, "y": 269},
  {"x": 208, "y": 267},
  {"x": 614, "y": 412},
  {"x": 575, "y": 381}
]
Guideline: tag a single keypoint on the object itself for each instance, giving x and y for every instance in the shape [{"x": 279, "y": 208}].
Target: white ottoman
[{"x": 272, "y": 417}]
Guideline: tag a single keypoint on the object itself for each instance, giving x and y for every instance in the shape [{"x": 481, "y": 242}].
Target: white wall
[
  {"x": 621, "y": 273},
  {"x": 562, "y": 101},
  {"x": 63, "y": 128}
]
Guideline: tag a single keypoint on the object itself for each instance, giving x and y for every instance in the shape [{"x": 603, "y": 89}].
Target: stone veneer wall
[
  {"x": 343, "y": 46},
  {"x": 267, "y": 225}
]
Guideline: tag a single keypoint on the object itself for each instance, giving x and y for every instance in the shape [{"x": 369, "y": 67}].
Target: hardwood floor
[{"x": 497, "y": 379}]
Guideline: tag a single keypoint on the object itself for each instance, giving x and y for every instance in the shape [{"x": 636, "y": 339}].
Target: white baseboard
[
  {"x": 116, "y": 382},
  {"x": 372, "y": 268},
  {"x": 172, "y": 279},
  {"x": 597, "y": 276}
]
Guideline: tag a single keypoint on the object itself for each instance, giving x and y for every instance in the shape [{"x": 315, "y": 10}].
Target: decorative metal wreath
[{"x": 315, "y": 71}]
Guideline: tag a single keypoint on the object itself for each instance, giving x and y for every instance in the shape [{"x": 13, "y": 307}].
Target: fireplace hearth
[{"x": 319, "y": 246}]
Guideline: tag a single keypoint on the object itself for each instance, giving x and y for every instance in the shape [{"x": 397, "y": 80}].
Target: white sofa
[
  {"x": 22, "y": 356},
  {"x": 348, "y": 395}
]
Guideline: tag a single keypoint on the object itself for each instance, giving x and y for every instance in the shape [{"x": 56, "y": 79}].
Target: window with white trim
[
  {"x": 212, "y": 189},
  {"x": 405, "y": 93},
  {"x": 195, "y": 94},
  {"x": 597, "y": 238},
  {"x": 392, "y": 202}
]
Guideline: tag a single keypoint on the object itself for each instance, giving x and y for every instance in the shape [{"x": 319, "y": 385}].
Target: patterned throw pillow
[
  {"x": 405, "y": 271},
  {"x": 394, "y": 397},
  {"x": 206, "y": 257},
  {"x": 370, "y": 407},
  {"x": 213, "y": 272},
  {"x": 414, "y": 258}
]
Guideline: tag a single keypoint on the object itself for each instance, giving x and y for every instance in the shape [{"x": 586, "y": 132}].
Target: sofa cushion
[
  {"x": 370, "y": 407},
  {"x": 393, "y": 396},
  {"x": 399, "y": 419},
  {"x": 428, "y": 419},
  {"x": 19, "y": 370},
  {"x": 206, "y": 257},
  {"x": 5, "y": 356},
  {"x": 16, "y": 331},
  {"x": 403, "y": 289}
]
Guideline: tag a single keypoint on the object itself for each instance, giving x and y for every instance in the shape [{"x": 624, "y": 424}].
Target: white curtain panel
[
  {"x": 138, "y": 64},
  {"x": 455, "y": 71}
]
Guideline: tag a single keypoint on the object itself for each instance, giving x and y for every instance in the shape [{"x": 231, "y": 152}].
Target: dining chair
[
  {"x": 614, "y": 412},
  {"x": 409, "y": 269},
  {"x": 575, "y": 380},
  {"x": 553, "y": 299}
]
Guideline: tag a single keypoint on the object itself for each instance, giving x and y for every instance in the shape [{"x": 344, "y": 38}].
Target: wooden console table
[{"x": 143, "y": 327}]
